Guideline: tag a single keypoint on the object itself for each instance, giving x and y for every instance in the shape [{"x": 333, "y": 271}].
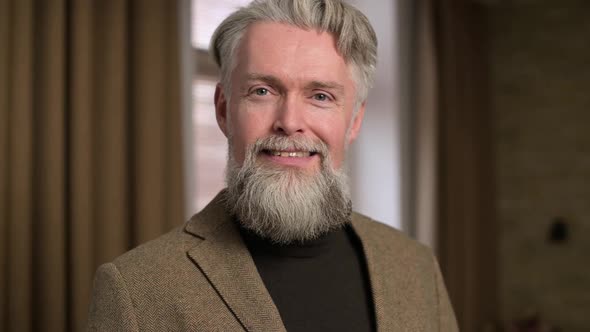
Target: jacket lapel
[
  {"x": 389, "y": 287},
  {"x": 225, "y": 260}
]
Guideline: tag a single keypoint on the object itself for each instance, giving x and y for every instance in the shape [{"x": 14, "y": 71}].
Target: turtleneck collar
[{"x": 260, "y": 246}]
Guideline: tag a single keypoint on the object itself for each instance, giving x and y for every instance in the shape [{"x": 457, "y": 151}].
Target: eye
[
  {"x": 321, "y": 97},
  {"x": 261, "y": 91}
]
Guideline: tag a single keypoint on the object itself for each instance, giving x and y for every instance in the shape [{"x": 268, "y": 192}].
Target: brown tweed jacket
[{"x": 201, "y": 277}]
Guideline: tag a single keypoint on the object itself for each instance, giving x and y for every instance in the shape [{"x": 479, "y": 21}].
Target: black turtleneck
[{"x": 321, "y": 285}]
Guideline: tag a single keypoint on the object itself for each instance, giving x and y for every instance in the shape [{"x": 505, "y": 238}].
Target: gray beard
[{"x": 285, "y": 204}]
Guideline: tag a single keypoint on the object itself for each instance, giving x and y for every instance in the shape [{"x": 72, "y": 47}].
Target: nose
[{"x": 290, "y": 118}]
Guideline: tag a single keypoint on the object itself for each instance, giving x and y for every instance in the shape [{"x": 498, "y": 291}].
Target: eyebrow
[
  {"x": 273, "y": 80},
  {"x": 325, "y": 85}
]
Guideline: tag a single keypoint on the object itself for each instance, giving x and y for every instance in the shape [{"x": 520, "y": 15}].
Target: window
[{"x": 209, "y": 143}]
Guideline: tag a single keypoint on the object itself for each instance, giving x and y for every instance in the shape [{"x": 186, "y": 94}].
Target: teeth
[{"x": 290, "y": 154}]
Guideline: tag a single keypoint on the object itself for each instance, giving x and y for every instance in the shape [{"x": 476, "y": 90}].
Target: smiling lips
[
  {"x": 291, "y": 158},
  {"x": 291, "y": 154}
]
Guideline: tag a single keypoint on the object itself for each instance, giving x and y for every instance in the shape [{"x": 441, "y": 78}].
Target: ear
[
  {"x": 355, "y": 126},
  {"x": 221, "y": 109}
]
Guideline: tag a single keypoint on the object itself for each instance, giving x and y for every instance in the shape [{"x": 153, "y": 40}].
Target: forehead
[{"x": 290, "y": 52}]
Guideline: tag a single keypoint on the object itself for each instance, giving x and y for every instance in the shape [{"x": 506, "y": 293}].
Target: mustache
[{"x": 284, "y": 143}]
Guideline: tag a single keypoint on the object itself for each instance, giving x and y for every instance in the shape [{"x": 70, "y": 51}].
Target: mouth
[
  {"x": 292, "y": 158},
  {"x": 290, "y": 153}
]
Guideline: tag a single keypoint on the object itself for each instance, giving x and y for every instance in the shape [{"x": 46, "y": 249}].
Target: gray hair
[{"x": 356, "y": 39}]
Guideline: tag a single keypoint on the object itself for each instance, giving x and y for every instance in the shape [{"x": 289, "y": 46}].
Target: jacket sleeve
[
  {"x": 111, "y": 308},
  {"x": 447, "y": 319}
]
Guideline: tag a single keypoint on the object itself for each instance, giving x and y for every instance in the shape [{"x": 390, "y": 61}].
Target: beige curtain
[
  {"x": 454, "y": 176},
  {"x": 425, "y": 130},
  {"x": 90, "y": 147},
  {"x": 467, "y": 226}
]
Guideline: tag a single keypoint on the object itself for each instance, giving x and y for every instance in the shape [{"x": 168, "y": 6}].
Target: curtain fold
[
  {"x": 90, "y": 147},
  {"x": 467, "y": 234},
  {"x": 425, "y": 126}
]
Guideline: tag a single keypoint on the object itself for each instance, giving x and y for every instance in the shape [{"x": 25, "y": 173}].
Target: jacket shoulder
[
  {"x": 409, "y": 291},
  {"x": 161, "y": 250},
  {"x": 386, "y": 236},
  {"x": 161, "y": 287}
]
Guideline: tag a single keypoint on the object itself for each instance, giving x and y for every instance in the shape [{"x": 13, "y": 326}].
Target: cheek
[
  {"x": 249, "y": 126},
  {"x": 246, "y": 128},
  {"x": 333, "y": 133}
]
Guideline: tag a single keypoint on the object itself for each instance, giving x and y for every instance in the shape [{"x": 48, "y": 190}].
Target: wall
[
  {"x": 541, "y": 92},
  {"x": 375, "y": 161}
]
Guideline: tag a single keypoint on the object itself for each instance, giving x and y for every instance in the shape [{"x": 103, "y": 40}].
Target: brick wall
[{"x": 540, "y": 69}]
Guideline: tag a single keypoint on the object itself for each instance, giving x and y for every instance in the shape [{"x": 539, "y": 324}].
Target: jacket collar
[
  {"x": 225, "y": 260},
  {"x": 393, "y": 270}
]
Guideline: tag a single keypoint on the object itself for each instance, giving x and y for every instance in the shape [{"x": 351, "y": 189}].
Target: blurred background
[{"x": 475, "y": 142}]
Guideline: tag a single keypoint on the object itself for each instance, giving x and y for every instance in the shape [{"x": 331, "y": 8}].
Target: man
[{"x": 280, "y": 248}]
